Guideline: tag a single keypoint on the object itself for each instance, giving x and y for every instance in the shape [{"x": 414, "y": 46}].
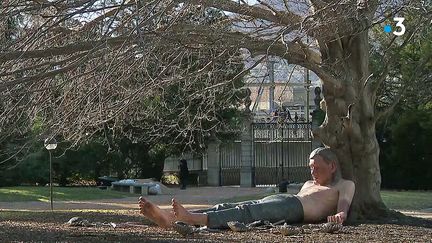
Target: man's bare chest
[{"x": 316, "y": 189}]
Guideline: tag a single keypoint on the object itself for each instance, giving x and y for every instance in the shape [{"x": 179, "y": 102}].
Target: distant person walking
[{"x": 184, "y": 173}]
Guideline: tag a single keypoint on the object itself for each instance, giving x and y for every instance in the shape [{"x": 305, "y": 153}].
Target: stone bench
[{"x": 135, "y": 188}]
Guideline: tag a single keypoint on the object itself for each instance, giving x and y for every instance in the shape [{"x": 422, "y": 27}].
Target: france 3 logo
[{"x": 399, "y": 29}]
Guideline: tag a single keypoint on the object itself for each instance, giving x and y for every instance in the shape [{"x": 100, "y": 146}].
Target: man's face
[{"x": 321, "y": 171}]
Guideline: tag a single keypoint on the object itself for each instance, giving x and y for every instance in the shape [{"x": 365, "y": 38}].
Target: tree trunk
[{"x": 349, "y": 127}]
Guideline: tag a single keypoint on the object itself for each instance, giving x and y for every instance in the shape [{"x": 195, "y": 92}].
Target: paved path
[{"x": 424, "y": 213}]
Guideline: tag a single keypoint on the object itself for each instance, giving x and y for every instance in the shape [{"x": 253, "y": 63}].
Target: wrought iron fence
[
  {"x": 280, "y": 151},
  {"x": 230, "y": 163}
]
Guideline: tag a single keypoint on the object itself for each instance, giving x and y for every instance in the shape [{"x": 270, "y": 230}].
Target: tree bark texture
[{"x": 349, "y": 127}]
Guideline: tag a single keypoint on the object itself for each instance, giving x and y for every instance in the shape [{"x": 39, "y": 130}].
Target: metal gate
[
  {"x": 230, "y": 163},
  {"x": 280, "y": 152}
]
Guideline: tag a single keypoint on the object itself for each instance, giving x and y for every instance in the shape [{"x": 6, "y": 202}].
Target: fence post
[
  {"x": 246, "y": 171},
  {"x": 213, "y": 163}
]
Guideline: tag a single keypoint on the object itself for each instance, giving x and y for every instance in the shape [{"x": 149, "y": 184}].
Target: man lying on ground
[{"x": 327, "y": 196}]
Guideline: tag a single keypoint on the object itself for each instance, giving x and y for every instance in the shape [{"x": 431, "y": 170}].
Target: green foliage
[
  {"x": 9, "y": 177},
  {"x": 428, "y": 106},
  {"x": 22, "y": 161},
  {"x": 405, "y": 156},
  {"x": 35, "y": 168},
  {"x": 318, "y": 116},
  {"x": 86, "y": 163},
  {"x": 37, "y": 126}
]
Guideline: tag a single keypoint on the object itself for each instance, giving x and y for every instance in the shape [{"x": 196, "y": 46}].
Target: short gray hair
[{"x": 328, "y": 155}]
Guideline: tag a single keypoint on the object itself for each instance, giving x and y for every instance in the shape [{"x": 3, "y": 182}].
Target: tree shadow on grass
[{"x": 397, "y": 218}]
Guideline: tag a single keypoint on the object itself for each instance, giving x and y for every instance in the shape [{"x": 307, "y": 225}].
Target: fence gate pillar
[
  {"x": 247, "y": 171},
  {"x": 213, "y": 163}
]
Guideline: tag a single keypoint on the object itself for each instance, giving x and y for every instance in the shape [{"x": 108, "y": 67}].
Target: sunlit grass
[
  {"x": 409, "y": 200},
  {"x": 42, "y": 194}
]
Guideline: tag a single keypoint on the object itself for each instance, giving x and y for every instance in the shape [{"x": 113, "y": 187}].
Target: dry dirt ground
[
  {"x": 40, "y": 225},
  {"x": 50, "y": 227}
]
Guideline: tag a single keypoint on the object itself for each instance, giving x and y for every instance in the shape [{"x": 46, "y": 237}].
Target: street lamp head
[{"x": 50, "y": 143}]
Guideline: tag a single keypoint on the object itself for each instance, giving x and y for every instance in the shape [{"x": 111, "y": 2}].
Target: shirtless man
[{"x": 326, "y": 196}]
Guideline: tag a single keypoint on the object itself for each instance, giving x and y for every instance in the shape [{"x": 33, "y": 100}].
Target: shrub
[{"x": 406, "y": 156}]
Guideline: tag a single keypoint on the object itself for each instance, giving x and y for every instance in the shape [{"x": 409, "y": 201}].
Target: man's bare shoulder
[
  {"x": 345, "y": 184},
  {"x": 309, "y": 182}
]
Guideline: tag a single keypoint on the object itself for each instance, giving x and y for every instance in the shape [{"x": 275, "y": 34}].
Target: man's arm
[{"x": 346, "y": 193}]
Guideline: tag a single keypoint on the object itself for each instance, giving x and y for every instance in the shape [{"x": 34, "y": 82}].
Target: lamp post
[{"x": 50, "y": 144}]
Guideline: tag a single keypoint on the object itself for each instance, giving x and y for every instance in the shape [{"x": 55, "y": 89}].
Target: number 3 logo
[{"x": 400, "y": 25}]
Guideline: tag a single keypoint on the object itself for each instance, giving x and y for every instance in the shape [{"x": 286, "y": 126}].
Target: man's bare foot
[
  {"x": 154, "y": 213},
  {"x": 182, "y": 214}
]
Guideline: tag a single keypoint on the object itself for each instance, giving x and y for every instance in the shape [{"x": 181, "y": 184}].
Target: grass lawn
[
  {"x": 407, "y": 200},
  {"x": 410, "y": 200},
  {"x": 32, "y": 193}
]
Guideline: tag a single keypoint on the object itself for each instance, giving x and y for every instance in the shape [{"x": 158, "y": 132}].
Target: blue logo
[
  {"x": 387, "y": 28},
  {"x": 399, "y": 29}
]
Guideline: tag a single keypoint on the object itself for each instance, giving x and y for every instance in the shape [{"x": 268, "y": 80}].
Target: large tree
[{"x": 58, "y": 43}]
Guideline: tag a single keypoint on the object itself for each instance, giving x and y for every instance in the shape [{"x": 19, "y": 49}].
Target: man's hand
[{"x": 337, "y": 218}]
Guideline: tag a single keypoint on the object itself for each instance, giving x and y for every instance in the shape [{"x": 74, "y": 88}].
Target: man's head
[{"x": 324, "y": 166}]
